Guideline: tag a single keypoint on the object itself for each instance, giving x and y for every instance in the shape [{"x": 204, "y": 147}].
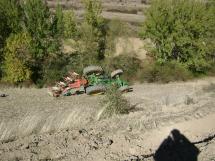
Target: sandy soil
[
  {"x": 132, "y": 46},
  {"x": 167, "y": 122}
]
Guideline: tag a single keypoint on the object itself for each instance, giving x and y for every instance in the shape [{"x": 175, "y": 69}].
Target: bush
[
  {"x": 113, "y": 103},
  {"x": 15, "y": 67},
  {"x": 211, "y": 71},
  {"x": 130, "y": 65},
  {"x": 171, "y": 71},
  {"x": 58, "y": 24},
  {"x": 181, "y": 30},
  {"x": 98, "y": 25},
  {"x": 54, "y": 70},
  {"x": 87, "y": 45},
  {"x": 70, "y": 25},
  {"x": 91, "y": 41},
  {"x": 11, "y": 13}
]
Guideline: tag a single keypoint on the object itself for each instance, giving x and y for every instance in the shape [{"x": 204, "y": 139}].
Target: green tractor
[{"x": 98, "y": 81}]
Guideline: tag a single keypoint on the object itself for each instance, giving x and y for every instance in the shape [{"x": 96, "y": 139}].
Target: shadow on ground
[{"x": 176, "y": 147}]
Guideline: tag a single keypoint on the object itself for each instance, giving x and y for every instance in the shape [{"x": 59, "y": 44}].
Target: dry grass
[{"x": 113, "y": 104}]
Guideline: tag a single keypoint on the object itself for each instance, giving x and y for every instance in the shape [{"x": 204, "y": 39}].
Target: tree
[
  {"x": 4, "y": 32},
  {"x": 10, "y": 13},
  {"x": 94, "y": 19},
  {"x": 58, "y": 25},
  {"x": 15, "y": 66},
  {"x": 45, "y": 43},
  {"x": 181, "y": 30}
]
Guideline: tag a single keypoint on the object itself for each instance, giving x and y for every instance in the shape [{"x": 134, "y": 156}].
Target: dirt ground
[
  {"x": 124, "y": 10},
  {"x": 167, "y": 122}
]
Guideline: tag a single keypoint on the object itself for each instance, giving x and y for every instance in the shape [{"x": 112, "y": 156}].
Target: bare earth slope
[
  {"x": 34, "y": 126},
  {"x": 125, "y": 10}
]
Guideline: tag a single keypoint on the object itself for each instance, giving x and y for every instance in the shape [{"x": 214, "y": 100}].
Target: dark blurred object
[
  {"x": 3, "y": 95},
  {"x": 176, "y": 147}
]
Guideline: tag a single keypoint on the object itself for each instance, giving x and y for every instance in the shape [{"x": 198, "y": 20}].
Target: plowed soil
[{"x": 174, "y": 117}]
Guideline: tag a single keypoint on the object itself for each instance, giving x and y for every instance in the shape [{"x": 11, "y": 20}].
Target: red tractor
[{"x": 72, "y": 85}]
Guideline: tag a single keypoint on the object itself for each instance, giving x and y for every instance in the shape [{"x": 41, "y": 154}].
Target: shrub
[
  {"x": 94, "y": 19},
  {"x": 91, "y": 41},
  {"x": 113, "y": 103},
  {"x": 3, "y": 34},
  {"x": 181, "y": 30},
  {"x": 211, "y": 71},
  {"x": 58, "y": 23},
  {"x": 54, "y": 70},
  {"x": 70, "y": 25},
  {"x": 130, "y": 65},
  {"x": 15, "y": 67},
  {"x": 11, "y": 13},
  {"x": 87, "y": 45},
  {"x": 171, "y": 71}
]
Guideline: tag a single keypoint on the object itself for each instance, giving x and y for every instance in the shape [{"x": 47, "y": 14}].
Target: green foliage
[
  {"x": 170, "y": 71},
  {"x": 98, "y": 25},
  {"x": 58, "y": 23},
  {"x": 15, "y": 68},
  {"x": 147, "y": 71},
  {"x": 54, "y": 70},
  {"x": 211, "y": 42},
  {"x": 181, "y": 30},
  {"x": 41, "y": 26},
  {"x": 211, "y": 71},
  {"x": 10, "y": 13},
  {"x": 87, "y": 46},
  {"x": 93, "y": 9},
  {"x": 130, "y": 65},
  {"x": 90, "y": 36},
  {"x": 76, "y": 62},
  {"x": 70, "y": 25},
  {"x": 3, "y": 35},
  {"x": 114, "y": 103}
]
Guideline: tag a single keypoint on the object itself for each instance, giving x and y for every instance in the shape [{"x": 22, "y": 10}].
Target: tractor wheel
[
  {"x": 97, "y": 89},
  {"x": 124, "y": 89},
  {"x": 92, "y": 69},
  {"x": 116, "y": 72}
]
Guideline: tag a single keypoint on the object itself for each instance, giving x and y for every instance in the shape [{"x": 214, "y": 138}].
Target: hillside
[
  {"x": 34, "y": 126},
  {"x": 125, "y": 10}
]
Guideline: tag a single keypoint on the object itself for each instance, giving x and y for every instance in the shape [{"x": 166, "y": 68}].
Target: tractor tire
[
  {"x": 124, "y": 89},
  {"x": 92, "y": 69},
  {"x": 97, "y": 89},
  {"x": 116, "y": 72}
]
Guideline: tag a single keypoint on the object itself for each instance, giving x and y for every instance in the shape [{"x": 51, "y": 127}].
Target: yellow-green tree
[{"x": 16, "y": 53}]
